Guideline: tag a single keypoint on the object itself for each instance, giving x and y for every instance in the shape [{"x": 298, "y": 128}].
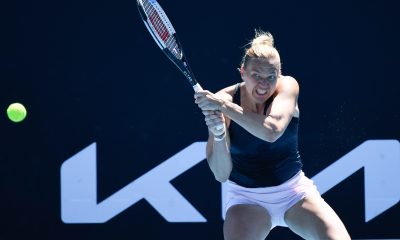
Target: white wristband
[{"x": 220, "y": 137}]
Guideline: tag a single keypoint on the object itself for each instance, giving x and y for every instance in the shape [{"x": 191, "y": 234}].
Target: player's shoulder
[
  {"x": 289, "y": 80},
  {"x": 288, "y": 83},
  {"x": 228, "y": 92}
]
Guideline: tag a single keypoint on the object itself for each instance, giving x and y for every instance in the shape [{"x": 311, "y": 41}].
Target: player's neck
[{"x": 250, "y": 105}]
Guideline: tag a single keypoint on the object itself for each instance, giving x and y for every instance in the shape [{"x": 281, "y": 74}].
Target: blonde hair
[{"x": 261, "y": 47}]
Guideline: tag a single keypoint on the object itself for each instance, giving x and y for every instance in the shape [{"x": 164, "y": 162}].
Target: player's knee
[{"x": 338, "y": 232}]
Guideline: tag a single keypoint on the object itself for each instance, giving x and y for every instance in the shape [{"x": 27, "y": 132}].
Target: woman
[{"x": 257, "y": 155}]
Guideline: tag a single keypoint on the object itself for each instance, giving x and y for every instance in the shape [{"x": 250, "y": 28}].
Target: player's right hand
[{"x": 214, "y": 119}]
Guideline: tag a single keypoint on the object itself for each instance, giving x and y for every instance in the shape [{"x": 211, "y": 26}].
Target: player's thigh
[
  {"x": 245, "y": 222},
  {"x": 313, "y": 218}
]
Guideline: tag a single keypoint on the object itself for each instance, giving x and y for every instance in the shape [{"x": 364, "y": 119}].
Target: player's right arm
[
  {"x": 219, "y": 157},
  {"x": 217, "y": 151}
]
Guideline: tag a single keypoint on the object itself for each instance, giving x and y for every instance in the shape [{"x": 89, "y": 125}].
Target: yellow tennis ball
[{"x": 16, "y": 112}]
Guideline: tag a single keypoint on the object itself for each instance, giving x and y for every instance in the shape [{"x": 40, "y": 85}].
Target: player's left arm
[
  {"x": 283, "y": 107},
  {"x": 271, "y": 126}
]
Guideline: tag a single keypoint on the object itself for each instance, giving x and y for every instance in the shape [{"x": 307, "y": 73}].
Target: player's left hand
[{"x": 207, "y": 100}]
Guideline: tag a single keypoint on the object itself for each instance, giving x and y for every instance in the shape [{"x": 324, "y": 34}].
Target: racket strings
[
  {"x": 172, "y": 45},
  {"x": 156, "y": 21},
  {"x": 160, "y": 26}
]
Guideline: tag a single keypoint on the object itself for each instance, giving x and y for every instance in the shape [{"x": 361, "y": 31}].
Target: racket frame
[{"x": 180, "y": 61}]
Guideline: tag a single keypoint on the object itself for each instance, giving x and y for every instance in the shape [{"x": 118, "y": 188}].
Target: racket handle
[
  {"x": 219, "y": 128},
  {"x": 197, "y": 87}
]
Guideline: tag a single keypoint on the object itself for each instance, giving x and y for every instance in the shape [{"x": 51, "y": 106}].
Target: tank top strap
[
  {"x": 236, "y": 94},
  {"x": 267, "y": 103},
  {"x": 236, "y": 98}
]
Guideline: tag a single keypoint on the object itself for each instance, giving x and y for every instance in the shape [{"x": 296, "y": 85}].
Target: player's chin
[{"x": 260, "y": 98}]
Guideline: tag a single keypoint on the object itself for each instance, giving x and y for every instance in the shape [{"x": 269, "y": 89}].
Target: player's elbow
[
  {"x": 275, "y": 136},
  {"x": 222, "y": 175},
  {"x": 272, "y": 135},
  {"x": 221, "y": 178},
  {"x": 273, "y": 128},
  {"x": 272, "y": 131}
]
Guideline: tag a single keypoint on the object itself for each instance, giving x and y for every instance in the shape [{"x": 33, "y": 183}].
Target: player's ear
[{"x": 241, "y": 71}]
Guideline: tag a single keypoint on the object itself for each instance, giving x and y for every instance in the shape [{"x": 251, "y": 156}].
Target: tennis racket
[{"x": 164, "y": 35}]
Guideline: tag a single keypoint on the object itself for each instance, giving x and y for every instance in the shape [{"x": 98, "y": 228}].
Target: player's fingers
[
  {"x": 206, "y": 105},
  {"x": 213, "y": 119},
  {"x": 200, "y": 100},
  {"x": 208, "y": 112},
  {"x": 213, "y": 125},
  {"x": 213, "y": 115},
  {"x": 203, "y": 105},
  {"x": 201, "y": 93}
]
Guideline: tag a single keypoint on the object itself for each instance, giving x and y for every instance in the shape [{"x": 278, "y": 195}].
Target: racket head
[{"x": 160, "y": 27}]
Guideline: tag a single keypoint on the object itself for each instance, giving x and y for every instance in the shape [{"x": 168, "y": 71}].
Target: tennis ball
[{"x": 16, "y": 112}]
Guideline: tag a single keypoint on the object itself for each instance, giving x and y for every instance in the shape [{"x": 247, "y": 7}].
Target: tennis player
[{"x": 258, "y": 155}]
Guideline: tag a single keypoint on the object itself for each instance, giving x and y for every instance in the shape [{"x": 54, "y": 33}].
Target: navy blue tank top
[{"x": 258, "y": 163}]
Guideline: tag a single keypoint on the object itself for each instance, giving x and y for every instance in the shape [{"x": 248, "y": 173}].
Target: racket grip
[
  {"x": 220, "y": 128},
  {"x": 197, "y": 87}
]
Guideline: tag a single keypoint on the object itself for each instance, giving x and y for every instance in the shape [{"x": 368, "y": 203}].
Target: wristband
[{"x": 220, "y": 137}]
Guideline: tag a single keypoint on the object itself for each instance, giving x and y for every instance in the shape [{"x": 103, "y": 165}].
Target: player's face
[{"x": 260, "y": 76}]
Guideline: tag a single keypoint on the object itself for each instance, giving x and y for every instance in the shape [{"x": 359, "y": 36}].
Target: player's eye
[
  {"x": 271, "y": 78},
  {"x": 257, "y": 76}
]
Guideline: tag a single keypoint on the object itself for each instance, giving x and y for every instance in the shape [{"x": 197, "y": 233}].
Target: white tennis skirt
[{"x": 276, "y": 200}]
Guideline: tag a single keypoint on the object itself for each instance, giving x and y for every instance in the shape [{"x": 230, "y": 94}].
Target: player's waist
[{"x": 264, "y": 175}]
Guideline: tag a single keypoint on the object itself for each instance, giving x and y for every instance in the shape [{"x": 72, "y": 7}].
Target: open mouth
[{"x": 261, "y": 91}]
